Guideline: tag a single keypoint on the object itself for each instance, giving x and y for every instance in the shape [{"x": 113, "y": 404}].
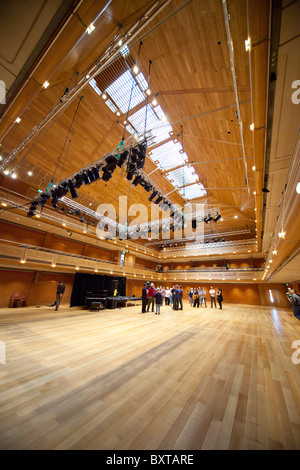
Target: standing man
[
  {"x": 144, "y": 298},
  {"x": 202, "y": 296},
  {"x": 176, "y": 297},
  {"x": 180, "y": 298},
  {"x": 212, "y": 293},
  {"x": 158, "y": 301},
  {"x": 295, "y": 301},
  {"x": 59, "y": 293},
  {"x": 151, "y": 294}
]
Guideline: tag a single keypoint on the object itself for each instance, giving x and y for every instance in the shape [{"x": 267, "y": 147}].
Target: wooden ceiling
[{"x": 191, "y": 77}]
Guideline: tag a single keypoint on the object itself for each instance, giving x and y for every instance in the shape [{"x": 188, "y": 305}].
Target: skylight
[
  {"x": 159, "y": 130},
  {"x": 122, "y": 89},
  {"x": 182, "y": 176},
  {"x": 192, "y": 192},
  {"x": 111, "y": 106},
  {"x": 93, "y": 84},
  {"x": 168, "y": 155},
  {"x": 124, "y": 51}
]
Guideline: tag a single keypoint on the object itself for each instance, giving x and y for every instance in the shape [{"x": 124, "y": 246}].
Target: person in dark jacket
[
  {"x": 176, "y": 297},
  {"x": 180, "y": 298},
  {"x": 196, "y": 298},
  {"x": 295, "y": 301},
  {"x": 144, "y": 298},
  {"x": 220, "y": 298},
  {"x": 59, "y": 294},
  {"x": 158, "y": 301}
]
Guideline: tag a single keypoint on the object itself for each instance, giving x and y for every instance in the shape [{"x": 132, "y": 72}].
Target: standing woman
[{"x": 220, "y": 298}]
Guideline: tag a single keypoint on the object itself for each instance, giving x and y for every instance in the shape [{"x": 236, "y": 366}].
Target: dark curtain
[{"x": 95, "y": 283}]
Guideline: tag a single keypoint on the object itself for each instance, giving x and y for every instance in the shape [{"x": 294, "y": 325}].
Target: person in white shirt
[
  {"x": 167, "y": 296},
  {"x": 212, "y": 293}
]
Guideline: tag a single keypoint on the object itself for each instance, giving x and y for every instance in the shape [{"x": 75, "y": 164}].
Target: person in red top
[{"x": 151, "y": 294}]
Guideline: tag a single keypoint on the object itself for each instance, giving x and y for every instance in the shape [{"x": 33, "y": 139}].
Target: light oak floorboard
[{"x": 117, "y": 379}]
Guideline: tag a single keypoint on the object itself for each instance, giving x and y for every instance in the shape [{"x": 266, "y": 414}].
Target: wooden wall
[{"x": 40, "y": 287}]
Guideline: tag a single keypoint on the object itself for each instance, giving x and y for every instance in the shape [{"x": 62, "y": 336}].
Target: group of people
[
  {"x": 157, "y": 296},
  {"x": 197, "y": 297},
  {"x": 152, "y": 296},
  {"x": 294, "y": 298}
]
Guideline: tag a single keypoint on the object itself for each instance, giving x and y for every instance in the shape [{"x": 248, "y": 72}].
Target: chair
[
  {"x": 15, "y": 300},
  {"x": 23, "y": 300}
]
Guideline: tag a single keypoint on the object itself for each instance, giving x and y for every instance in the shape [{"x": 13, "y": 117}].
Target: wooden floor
[{"x": 117, "y": 379}]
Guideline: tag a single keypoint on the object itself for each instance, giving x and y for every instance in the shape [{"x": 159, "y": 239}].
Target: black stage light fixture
[
  {"x": 141, "y": 154},
  {"x": 122, "y": 158},
  {"x": 154, "y": 193},
  {"x": 72, "y": 189},
  {"x": 109, "y": 168},
  {"x": 54, "y": 203},
  {"x": 86, "y": 178},
  {"x": 77, "y": 212},
  {"x": 91, "y": 175},
  {"x": 218, "y": 216},
  {"x": 70, "y": 211},
  {"x": 82, "y": 218},
  {"x": 206, "y": 241},
  {"x": 95, "y": 172},
  {"x": 137, "y": 180},
  {"x": 158, "y": 200},
  {"x": 78, "y": 180}
]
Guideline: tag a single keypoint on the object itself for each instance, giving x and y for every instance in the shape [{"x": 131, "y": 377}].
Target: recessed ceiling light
[
  {"x": 135, "y": 69},
  {"x": 13, "y": 175},
  {"x": 29, "y": 173},
  {"x": 253, "y": 168},
  {"x": 252, "y": 127},
  {"x": 298, "y": 188},
  {"x": 46, "y": 84},
  {"x": 18, "y": 120},
  {"x": 235, "y": 216},
  {"x": 90, "y": 29}
]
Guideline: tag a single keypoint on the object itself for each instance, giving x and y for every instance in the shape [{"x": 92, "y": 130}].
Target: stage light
[
  {"x": 72, "y": 189},
  {"x": 86, "y": 178},
  {"x": 217, "y": 218},
  {"x": 137, "y": 180},
  {"x": 154, "y": 193},
  {"x": 96, "y": 173},
  {"x": 158, "y": 200},
  {"x": 109, "y": 168},
  {"x": 78, "y": 180},
  {"x": 82, "y": 218},
  {"x": 91, "y": 175},
  {"x": 122, "y": 158}
]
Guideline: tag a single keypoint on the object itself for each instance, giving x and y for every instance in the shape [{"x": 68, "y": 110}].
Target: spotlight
[
  {"x": 122, "y": 158},
  {"x": 153, "y": 195},
  {"x": 86, "y": 178},
  {"x": 137, "y": 180},
  {"x": 82, "y": 218},
  {"x": 72, "y": 189},
  {"x": 43, "y": 198},
  {"x": 109, "y": 168},
  {"x": 158, "y": 200},
  {"x": 78, "y": 180},
  {"x": 217, "y": 218},
  {"x": 96, "y": 173},
  {"x": 91, "y": 175}
]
